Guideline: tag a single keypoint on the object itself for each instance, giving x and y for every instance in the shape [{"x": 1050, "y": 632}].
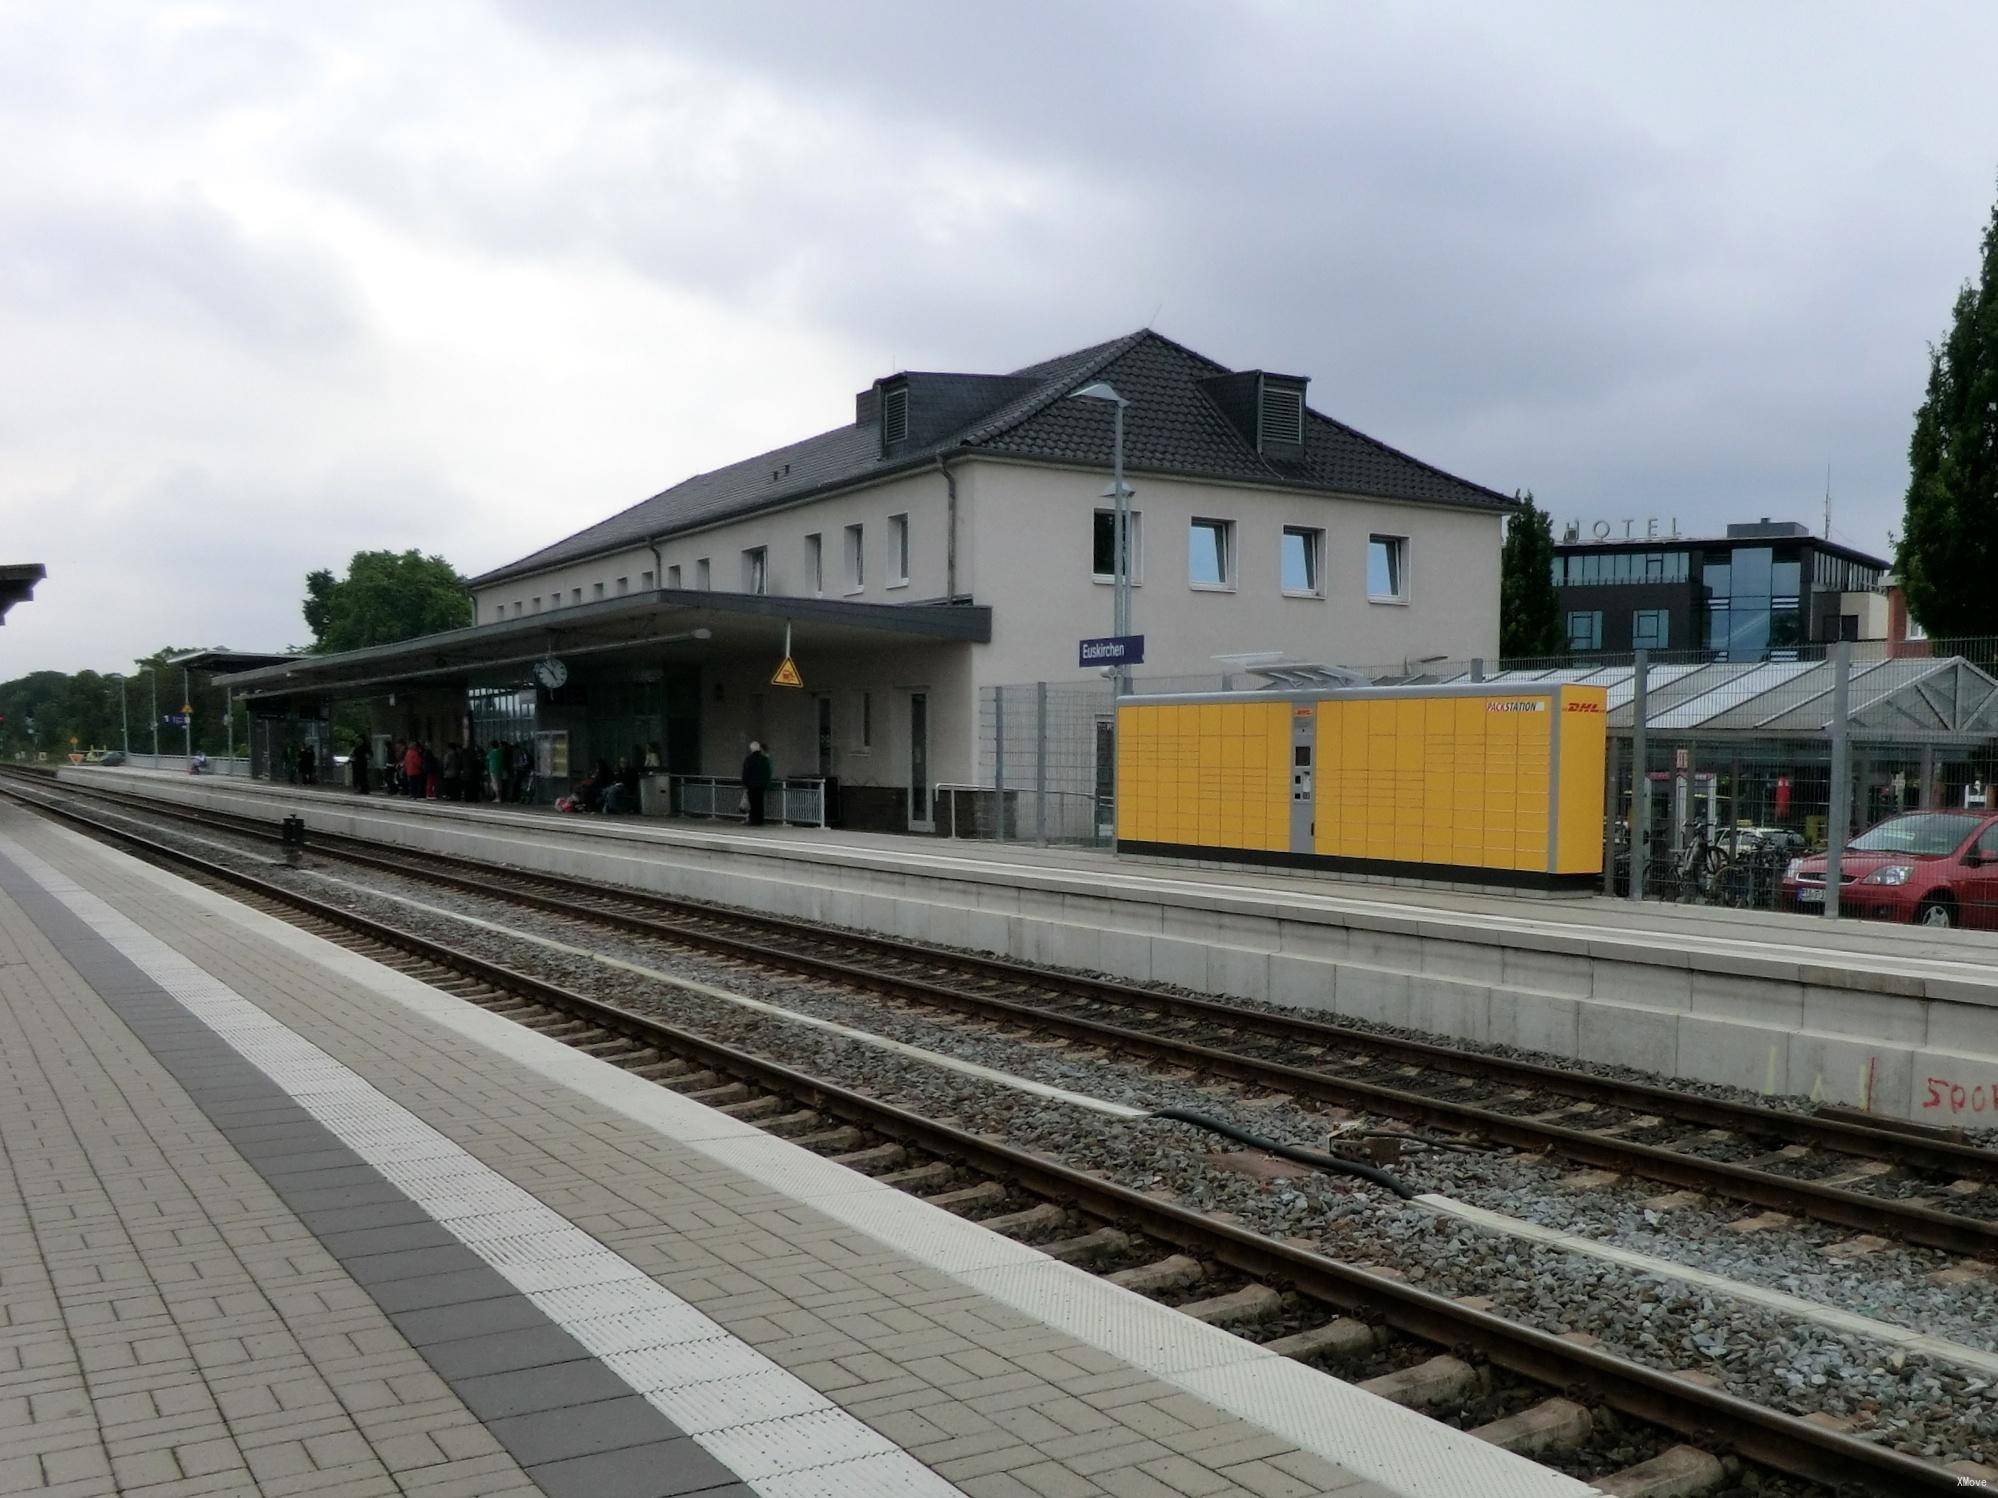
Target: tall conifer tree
[
  {"x": 1948, "y": 554},
  {"x": 1529, "y": 608}
]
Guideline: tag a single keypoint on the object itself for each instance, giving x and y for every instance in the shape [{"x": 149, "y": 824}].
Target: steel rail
[
  {"x": 1911, "y": 1221},
  {"x": 1709, "y": 1416}
]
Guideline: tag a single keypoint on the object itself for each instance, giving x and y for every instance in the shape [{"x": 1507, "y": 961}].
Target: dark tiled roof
[{"x": 1172, "y": 426}]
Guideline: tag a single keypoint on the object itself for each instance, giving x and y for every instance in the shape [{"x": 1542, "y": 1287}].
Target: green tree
[
  {"x": 386, "y": 596},
  {"x": 1949, "y": 539},
  {"x": 1529, "y": 608}
]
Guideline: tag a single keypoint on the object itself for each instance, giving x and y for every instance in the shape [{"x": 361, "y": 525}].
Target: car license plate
[{"x": 1810, "y": 897}]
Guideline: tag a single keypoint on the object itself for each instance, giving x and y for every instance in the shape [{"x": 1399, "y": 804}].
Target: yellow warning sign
[{"x": 787, "y": 675}]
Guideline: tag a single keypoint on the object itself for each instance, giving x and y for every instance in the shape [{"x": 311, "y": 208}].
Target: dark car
[{"x": 1935, "y": 868}]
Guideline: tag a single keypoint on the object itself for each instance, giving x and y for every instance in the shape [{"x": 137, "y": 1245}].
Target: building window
[
  {"x": 623, "y": 586},
  {"x": 756, "y": 570},
  {"x": 815, "y": 564},
  {"x": 1387, "y": 569},
  {"x": 516, "y": 608},
  {"x": 1914, "y": 630},
  {"x": 866, "y": 720},
  {"x": 704, "y": 574},
  {"x": 1209, "y": 553},
  {"x": 673, "y": 576},
  {"x": 645, "y": 581},
  {"x": 596, "y": 590},
  {"x": 1103, "y": 546},
  {"x": 856, "y": 558},
  {"x": 1302, "y": 562},
  {"x": 1650, "y": 629},
  {"x": 575, "y": 595},
  {"x": 898, "y": 551},
  {"x": 1585, "y": 629},
  {"x": 537, "y": 603}
]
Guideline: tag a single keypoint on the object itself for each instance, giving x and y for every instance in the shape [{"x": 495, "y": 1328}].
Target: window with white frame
[
  {"x": 1210, "y": 553},
  {"x": 1387, "y": 569},
  {"x": 898, "y": 551},
  {"x": 856, "y": 558},
  {"x": 815, "y": 564},
  {"x": 1301, "y": 562},
  {"x": 704, "y": 574},
  {"x": 1915, "y": 630},
  {"x": 756, "y": 570},
  {"x": 1103, "y": 546},
  {"x": 623, "y": 586},
  {"x": 673, "y": 576}
]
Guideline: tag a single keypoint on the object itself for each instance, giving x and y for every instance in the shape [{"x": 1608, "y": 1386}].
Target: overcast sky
[{"x": 279, "y": 282}]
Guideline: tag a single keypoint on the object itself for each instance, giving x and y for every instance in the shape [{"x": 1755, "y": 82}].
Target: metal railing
[
  {"x": 217, "y": 764},
  {"x": 797, "y": 802},
  {"x": 990, "y": 814}
]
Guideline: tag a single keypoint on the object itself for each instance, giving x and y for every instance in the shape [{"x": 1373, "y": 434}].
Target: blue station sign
[{"x": 1113, "y": 650}]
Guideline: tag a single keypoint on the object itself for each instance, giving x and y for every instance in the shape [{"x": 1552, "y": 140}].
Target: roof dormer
[{"x": 1266, "y": 409}]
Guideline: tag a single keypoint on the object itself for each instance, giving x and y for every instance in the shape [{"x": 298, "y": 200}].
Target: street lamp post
[
  {"x": 124, "y": 715},
  {"x": 1119, "y": 494},
  {"x": 153, "y": 681},
  {"x": 186, "y": 710}
]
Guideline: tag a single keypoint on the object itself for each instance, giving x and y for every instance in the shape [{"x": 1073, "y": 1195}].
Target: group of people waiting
[
  {"x": 301, "y": 764},
  {"x": 499, "y": 771},
  {"x": 609, "y": 791}
]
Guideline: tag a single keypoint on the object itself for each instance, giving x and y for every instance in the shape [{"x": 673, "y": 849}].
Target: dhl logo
[{"x": 1585, "y": 707}]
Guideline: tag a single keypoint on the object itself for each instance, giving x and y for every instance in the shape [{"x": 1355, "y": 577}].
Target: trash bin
[{"x": 655, "y": 797}]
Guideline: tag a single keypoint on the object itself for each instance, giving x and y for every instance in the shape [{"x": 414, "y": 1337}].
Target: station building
[{"x": 955, "y": 534}]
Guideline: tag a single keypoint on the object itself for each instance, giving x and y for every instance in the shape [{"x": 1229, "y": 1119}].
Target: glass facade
[
  {"x": 1754, "y": 604},
  {"x": 1595, "y": 569}
]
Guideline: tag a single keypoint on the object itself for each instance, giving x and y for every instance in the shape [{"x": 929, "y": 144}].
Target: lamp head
[{"x": 1100, "y": 390}]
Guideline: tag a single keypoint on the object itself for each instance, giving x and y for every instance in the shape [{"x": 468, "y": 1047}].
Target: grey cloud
[{"x": 177, "y": 261}]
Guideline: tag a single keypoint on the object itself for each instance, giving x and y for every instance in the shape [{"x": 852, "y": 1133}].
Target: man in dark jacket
[
  {"x": 357, "y": 762},
  {"x": 756, "y": 781}
]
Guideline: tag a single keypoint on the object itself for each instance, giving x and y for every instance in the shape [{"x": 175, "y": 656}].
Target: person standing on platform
[
  {"x": 308, "y": 764},
  {"x": 756, "y": 781},
  {"x": 290, "y": 758},
  {"x": 496, "y": 769},
  {"x": 358, "y": 763},
  {"x": 412, "y": 769}
]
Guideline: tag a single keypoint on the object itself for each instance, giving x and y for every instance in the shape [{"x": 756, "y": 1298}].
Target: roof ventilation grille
[
  {"x": 894, "y": 416},
  {"x": 1283, "y": 415}
]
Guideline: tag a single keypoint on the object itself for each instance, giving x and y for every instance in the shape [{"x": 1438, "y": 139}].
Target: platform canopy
[
  {"x": 684, "y": 622},
  {"x": 17, "y": 583},
  {"x": 219, "y": 660},
  {"x": 1911, "y": 697}
]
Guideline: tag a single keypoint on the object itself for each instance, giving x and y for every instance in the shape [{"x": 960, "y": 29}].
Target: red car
[{"x": 1935, "y": 868}]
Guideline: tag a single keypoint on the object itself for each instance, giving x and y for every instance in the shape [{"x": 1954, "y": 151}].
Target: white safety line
[
  {"x": 771, "y": 1428},
  {"x": 1408, "y": 1454},
  {"x": 778, "y": 1011}
]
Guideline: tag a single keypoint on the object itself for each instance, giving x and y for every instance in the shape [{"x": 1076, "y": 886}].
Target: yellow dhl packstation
[{"x": 1465, "y": 782}]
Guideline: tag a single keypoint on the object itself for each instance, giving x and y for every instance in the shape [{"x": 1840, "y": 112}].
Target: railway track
[
  {"x": 1296, "y": 1302},
  {"x": 1901, "y": 1182}
]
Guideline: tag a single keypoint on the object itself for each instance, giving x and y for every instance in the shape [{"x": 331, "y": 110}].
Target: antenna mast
[{"x": 1828, "y": 501}]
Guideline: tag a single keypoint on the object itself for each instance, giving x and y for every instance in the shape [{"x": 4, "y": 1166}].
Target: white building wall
[
  {"x": 921, "y": 496},
  {"x": 1026, "y": 549}
]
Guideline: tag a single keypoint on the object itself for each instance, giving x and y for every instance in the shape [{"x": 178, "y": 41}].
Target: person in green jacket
[{"x": 496, "y": 769}]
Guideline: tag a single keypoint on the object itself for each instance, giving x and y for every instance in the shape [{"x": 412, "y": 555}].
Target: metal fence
[
  {"x": 798, "y": 802},
  {"x": 1722, "y": 774}
]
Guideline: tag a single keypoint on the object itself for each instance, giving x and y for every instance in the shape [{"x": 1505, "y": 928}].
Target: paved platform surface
[
  {"x": 275, "y": 1219},
  {"x": 1969, "y": 958}
]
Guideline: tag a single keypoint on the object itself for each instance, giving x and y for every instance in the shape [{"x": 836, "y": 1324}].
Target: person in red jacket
[{"x": 412, "y": 768}]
